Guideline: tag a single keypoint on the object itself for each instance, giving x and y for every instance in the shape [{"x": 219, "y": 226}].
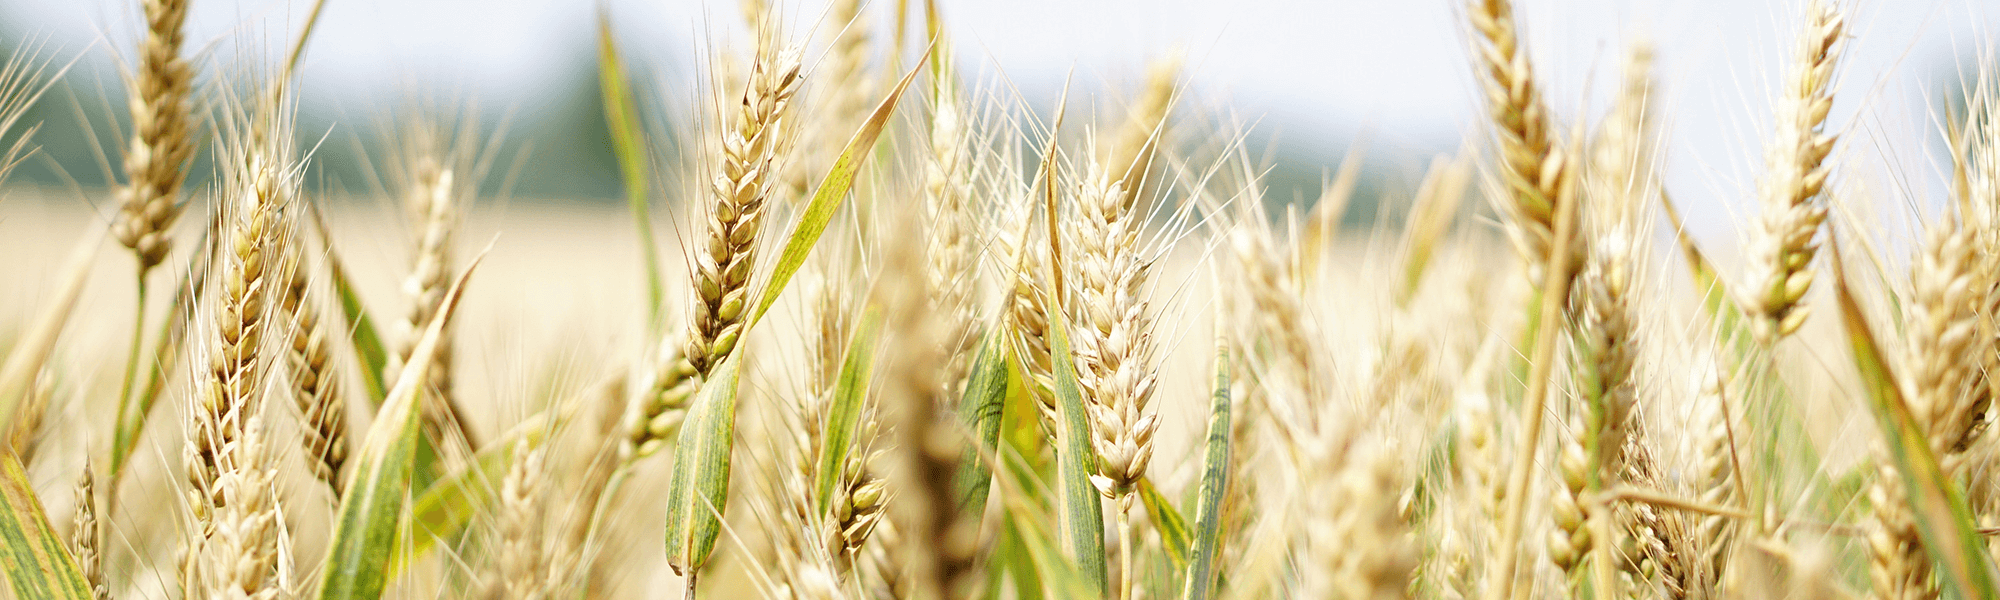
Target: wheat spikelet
[
  {"x": 1535, "y": 168},
  {"x": 1361, "y": 510},
  {"x": 837, "y": 110},
  {"x": 1114, "y": 332},
  {"x": 1144, "y": 130},
  {"x": 432, "y": 197},
  {"x": 1114, "y": 346},
  {"x": 255, "y": 229},
  {"x": 859, "y": 494},
  {"x": 86, "y": 535},
  {"x": 805, "y": 545},
  {"x": 521, "y": 563},
  {"x": 315, "y": 387},
  {"x": 242, "y": 550},
  {"x": 953, "y": 252},
  {"x": 162, "y": 136},
  {"x": 1715, "y": 482},
  {"x": 1026, "y": 311},
  {"x": 657, "y": 411},
  {"x": 1943, "y": 374},
  {"x": 725, "y": 259},
  {"x": 1480, "y": 490},
  {"x": 1278, "y": 317},
  {"x": 1785, "y": 236},
  {"x": 927, "y": 443},
  {"x": 1570, "y": 541},
  {"x": 1898, "y": 568},
  {"x": 1605, "y": 334},
  {"x": 1943, "y": 327}
]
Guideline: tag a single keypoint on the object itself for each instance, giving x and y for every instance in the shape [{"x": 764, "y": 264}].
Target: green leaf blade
[
  {"x": 360, "y": 555},
  {"x": 628, "y": 142},
  {"x": 38, "y": 564},
  {"x": 980, "y": 410},
  {"x": 828, "y": 198},
  {"x": 699, "y": 488},
  {"x": 844, "y": 411},
  {"x": 1081, "y": 515},
  {"x": 1207, "y": 545},
  {"x": 1167, "y": 520}
]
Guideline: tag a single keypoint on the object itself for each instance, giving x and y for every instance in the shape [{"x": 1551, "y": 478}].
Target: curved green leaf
[
  {"x": 699, "y": 488},
  {"x": 1168, "y": 521},
  {"x": 628, "y": 142},
  {"x": 37, "y": 562},
  {"x": 843, "y": 413},
  {"x": 980, "y": 410},
  {"x": 832, "y": 190},
  {"x": 364, "y": 534},
  {"x": 1207, "y": 546}
]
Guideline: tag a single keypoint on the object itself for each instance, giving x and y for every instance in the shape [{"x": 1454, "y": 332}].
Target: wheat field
[{"x": 871, "y": 324}]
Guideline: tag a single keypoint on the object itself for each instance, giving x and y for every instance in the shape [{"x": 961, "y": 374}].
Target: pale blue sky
[{"x": 1316, "y": 70}]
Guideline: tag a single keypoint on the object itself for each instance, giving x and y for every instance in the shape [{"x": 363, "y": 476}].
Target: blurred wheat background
[{"x": 913, "y": 299}]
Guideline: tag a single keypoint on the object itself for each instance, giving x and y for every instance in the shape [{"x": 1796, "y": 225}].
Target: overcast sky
[{"x": 1318, "y": 70}]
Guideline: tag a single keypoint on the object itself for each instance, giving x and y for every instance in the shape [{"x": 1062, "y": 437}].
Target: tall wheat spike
[
  {"x": 1785, "y": 236},
  {"x": 433, "y": 195},
  {"x": 1537, "y": 171},
  {"x": 726, "y": 258},
  {"x": 315, "y": 386},
  {"x": 162, "y": 136}
]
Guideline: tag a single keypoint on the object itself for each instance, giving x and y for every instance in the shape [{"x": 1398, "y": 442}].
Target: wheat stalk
[{"x": 1784, "y": 238}]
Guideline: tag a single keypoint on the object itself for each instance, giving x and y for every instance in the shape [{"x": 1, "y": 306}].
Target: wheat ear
[
  {"x": 1363, "y": 510},
  {"x": 1533, "y": 166},
  {"x": 87, "y": 535},
  {"x": 837, "y": 110},
  {"x": 927, "y": 443},
  {"x": 1784, "y": 238},
  {"x": 433, "y": 198},
  {"x": 1944, "y": 373},
  {"x": 1618, "y": 182},
  {"x": 315, "y": 387},
  {"x": 233, "y": 548},
  {"x": 726, "y": 259},
  {"x": 162, "y": 136},
  {"x": 953, "y": 253},
  {"x": 521, "y": 563}
]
